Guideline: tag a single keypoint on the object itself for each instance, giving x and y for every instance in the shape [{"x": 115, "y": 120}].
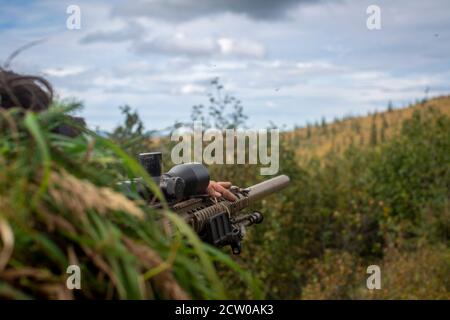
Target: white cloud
[
  {"x": 192, "y": 89},
  {"x": 109, "y": 82},
  {"x": 243, "y": 48},
  {"x": 321, "y": 61},
  {"x": 314, "y": 66},
  {"x": 177, "y": 44},
  {"x": 64, "y": 71},
  {"x": 183, "y": 45}
]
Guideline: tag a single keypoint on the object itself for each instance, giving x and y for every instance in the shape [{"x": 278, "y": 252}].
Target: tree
[
  {"x": 323, "y": 124},
  {"x": 220, "y": 103},
  {"x": 384, "y": 127},
  {"x": 373, "y": 133},
  {"x": 382, "y": 134},
  {"x": 356, "y": 126},
  {"x": 131, "y": 135},
  {"x": 308, "y": 130},
  {"x": 390, "y": 107}
]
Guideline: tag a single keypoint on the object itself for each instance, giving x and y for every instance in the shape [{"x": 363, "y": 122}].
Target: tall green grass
[{"x": 60, "y": 205}]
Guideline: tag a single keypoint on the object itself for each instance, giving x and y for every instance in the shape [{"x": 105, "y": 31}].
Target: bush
[{"x": 346, "y": 210}]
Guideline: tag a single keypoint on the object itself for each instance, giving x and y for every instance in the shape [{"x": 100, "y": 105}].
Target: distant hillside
[{"x": 370, "y": 130}]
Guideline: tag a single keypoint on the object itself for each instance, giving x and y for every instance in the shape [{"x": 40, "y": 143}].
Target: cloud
[
  {"x": 183, "y": 10},
  {"x": 288, "y": 61},
  {"x": 177, "y": 44},
  {"x": 241, "y": 48},
  {"x": 192, "y": 89},
  {"x": 109, "y": 36},
  {"x": 311, "y": 67},
  {"x": 111, "y": 83},
  {"x": 170, "y": 42},
  {"x": 119, "y": 31},
  {"x": 180, "y": 44},
  {"x": 64, "y": 71}
]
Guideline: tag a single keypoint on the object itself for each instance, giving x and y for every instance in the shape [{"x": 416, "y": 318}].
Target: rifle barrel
[
  {"x": 199, "y": 218},
  {"x": 265, "y": 188}
]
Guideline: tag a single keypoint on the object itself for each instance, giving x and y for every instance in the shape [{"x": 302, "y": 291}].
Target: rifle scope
[{"x": 181, "y": 181}]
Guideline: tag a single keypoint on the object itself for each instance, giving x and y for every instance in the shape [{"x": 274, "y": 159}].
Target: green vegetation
[
  {"x": 364, "y": 191},
  {"x": 59, "y": 206},
  {"x": 385, "y": 204}
]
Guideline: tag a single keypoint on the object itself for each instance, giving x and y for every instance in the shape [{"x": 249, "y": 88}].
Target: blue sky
[{"x": 289, "y": 61}]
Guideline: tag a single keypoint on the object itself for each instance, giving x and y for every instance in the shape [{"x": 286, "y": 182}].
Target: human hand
[{"x": 221, "y": 189}]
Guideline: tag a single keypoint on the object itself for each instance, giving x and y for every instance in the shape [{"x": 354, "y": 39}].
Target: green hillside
[
  {"x": 351, "y": 204},
  {"x": 357, "y": 200},
  {"x": 319, "y": 139}
]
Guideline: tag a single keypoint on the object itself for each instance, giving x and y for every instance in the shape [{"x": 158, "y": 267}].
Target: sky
[{"x": 290, "y": 62}]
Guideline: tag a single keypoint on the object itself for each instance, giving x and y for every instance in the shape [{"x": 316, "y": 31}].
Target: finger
[
  {"x": 225, "y": 184},
  {"x": 212, "y": 192},
  {"x": 225, "y": 193},
  {"x": 218, "y": 187},
  {"x": 229, "y": 196}
]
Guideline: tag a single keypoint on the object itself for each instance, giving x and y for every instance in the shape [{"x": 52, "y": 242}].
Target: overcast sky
[{"x": 289, "y": 61}]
